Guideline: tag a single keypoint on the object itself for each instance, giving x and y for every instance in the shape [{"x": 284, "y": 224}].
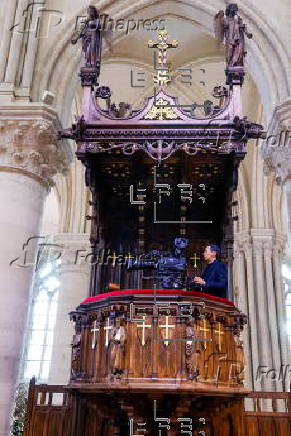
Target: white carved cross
[
  {"x": 143, "y": 326},
  {"x": 107, "y": 328},
  {"x": 220, "y": 333},
  {"x": 167, "y": 326},
  {"x": 94, "y": 330}
]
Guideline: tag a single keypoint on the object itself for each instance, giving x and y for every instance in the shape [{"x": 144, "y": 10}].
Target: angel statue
[
  {"x": 91, "y": 35},
  {"x": 229, "y": 28}
]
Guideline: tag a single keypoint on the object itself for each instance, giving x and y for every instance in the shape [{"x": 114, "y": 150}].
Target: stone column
[
  {"x": 287, "y": 188},
  {"x": 276, "y": 151},
  {"x": 7, "y": 16},
  {"x": 244, "y": 272},
  {"x": 284, "y": 347},
  {"x": 261, "y": 298},
  {"x": 241, "y": 280},
  {"x": 29, "y": 157},
  {"x": 240, "y": 285},
  {"x": 74, "y": 277},
  {"x": 259, "y": 280},
  {"x": 13, "y": 47},
  {"x": 262, "y": 308},
  {"x": 275, "y": 305}
]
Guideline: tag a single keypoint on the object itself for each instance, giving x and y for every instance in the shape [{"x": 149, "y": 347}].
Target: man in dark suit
[{"x": 214, "y": 278}]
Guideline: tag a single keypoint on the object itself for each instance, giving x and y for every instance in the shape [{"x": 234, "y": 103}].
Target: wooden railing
[
  {"x": 46, "y": 410},
  {"x": 275, "y": 400},
  {"x": 49, "y": 413},
  {"x": 271, "y": 415}
]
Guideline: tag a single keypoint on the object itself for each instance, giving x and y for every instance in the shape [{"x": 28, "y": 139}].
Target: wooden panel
[
  {"x": 94, "y": 414},
  {"x": 44, "y": 417},
  {"x": 275, "y": 424},
  {"x": 159, "y": 343},
  {"x": 39, "y": 423},
  {"x": 56, "y": 421},
  {"x": 269, "y": 423}
]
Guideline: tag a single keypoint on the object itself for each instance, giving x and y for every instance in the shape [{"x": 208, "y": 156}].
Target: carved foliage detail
[{"x": 32, "y": 146}]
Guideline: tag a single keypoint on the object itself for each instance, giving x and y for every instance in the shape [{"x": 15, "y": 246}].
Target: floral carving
[{"x": 31, "y": 146}]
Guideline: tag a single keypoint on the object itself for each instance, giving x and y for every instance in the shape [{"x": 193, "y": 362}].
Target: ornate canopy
[
  {"x": 161, "y": 128},
  {"x": 120, "y": 146}
]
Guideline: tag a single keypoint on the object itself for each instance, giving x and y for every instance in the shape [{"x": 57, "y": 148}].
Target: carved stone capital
[
  {"x": 28, "y": 142},
  {"x": 268, "y": 248},
  {"x": 280, "y": 244},
  {"x": 242, "y": 242},
  {"x": 258, "y": 241},
  {"x": 262, "y": 240},
  {"x": 276, "y": 150}
]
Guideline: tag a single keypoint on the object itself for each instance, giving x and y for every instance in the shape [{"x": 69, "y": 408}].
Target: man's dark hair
[{"x": 215, "y": 248}]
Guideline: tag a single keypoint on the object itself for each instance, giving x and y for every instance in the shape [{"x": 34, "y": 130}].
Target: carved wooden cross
[
  {"x": 107, "y": 328},
  {"x": 94, "y": 336},
  {"x": 167, "y": 326},
  {"x": 204, "y": 330},
  {"x": 220, "y": 333},
  {"x": 143, "y": 326}
]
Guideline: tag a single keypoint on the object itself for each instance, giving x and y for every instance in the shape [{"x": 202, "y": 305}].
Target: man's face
[{"x": 209, "y": 255}]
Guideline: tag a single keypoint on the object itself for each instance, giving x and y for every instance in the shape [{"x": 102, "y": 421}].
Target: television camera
[{"x": 169, "y": 267}]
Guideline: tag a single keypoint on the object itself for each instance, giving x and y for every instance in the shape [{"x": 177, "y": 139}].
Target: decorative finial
[{"x": 162, "y": 76}]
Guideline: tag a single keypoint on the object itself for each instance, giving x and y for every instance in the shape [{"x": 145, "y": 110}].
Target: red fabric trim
[{"x": 158, "y": 292}]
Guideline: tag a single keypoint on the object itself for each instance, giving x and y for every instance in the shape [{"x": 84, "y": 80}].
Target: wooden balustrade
[
  {"x": 271, "y": 415},
  {"x": 46, "y": 410},
  {"x": 48, "y": 416}
]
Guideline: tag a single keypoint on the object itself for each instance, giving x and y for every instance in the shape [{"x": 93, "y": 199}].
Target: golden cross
[
  {"x": 144, "y": 326},
  {"x": 94, "y": 337},
  {"x": 220, "y": 333},
  {"x": 167, "y": 326},
  {"x": 204, "y": 330},
  {"x": 195, "y": 258},
  {"x": 162, "y": 45},
  {"x": 161, "y": 78},
  {"x": 129, "y": 256},
  {"x": 114, "y": 258},
  {"x": 107, "y": 328}
]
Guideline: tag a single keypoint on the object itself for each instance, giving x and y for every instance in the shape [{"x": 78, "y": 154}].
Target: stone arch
[{"x": 273, "y": 88}]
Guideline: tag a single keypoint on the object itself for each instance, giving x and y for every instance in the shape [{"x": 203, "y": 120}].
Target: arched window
[{"x": 38, "y": 350}]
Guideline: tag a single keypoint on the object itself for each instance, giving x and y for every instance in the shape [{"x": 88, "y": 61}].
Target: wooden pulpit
[{"x": 140, "y": 354}]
